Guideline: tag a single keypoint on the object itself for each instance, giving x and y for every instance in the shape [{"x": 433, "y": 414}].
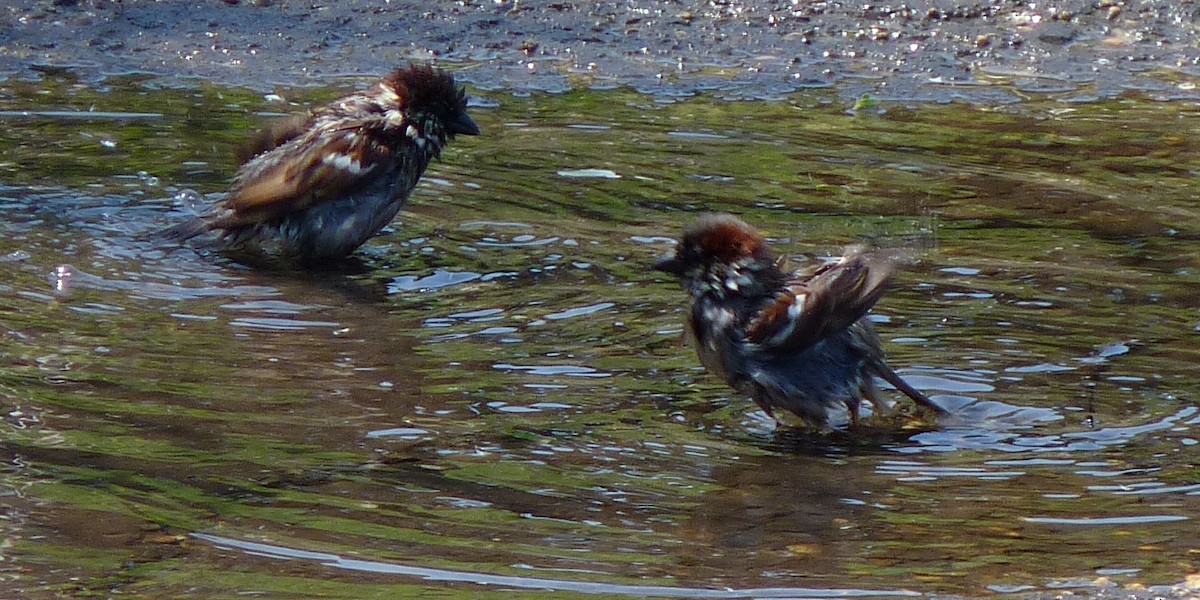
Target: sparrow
[
  {"x": 802, "y": 343},
  {"x": 320, "y": 185}
]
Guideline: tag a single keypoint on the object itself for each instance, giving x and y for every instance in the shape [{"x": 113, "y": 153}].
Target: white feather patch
[
  {"x": 796, "y": 308},
  {"x": 783, "y": 334},
  {"x": 394, "y": 118},
  {"x": 793, "y": 313},
  {"x": 387, "y": 94},
  {"x": 720, "y": 318},
  {"x": 346, "y": 163}
]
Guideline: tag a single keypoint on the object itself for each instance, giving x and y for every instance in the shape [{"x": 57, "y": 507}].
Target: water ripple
[
  {"x": 1118, "y": 435},
  {"x": 580, "y": 311},
  {"x": 269, "y": 324},
  {"x": 65, "y": 278},
  {"x": 439, "y": 279},
  {"x": 398, "y": 432},
  {"x": 1002, "y": 427},
  {"x": 559, "y": 585},
  {"x": 589, "y": 173},
  {"x": 1107, "y": 521},
  {"x": 553, "y": 370}
]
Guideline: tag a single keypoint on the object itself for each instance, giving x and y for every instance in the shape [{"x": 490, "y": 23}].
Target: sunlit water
[{"x": 496, "y": 396}]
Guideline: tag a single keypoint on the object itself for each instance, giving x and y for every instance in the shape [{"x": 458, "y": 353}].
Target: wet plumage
[
  {"x": 798, "y": 342},
  {"x": 319, "y": 186}
]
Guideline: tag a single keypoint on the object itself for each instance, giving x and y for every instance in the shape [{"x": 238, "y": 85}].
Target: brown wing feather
[
  {"x": 269, "y": 189},
  {"x": 274, "y": 135},
  {"x": 829, "y": 300},
  {"x": 280, "y": 188}
]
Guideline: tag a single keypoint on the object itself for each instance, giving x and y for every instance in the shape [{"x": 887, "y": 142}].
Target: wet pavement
[{"x": 922, "y": 50}]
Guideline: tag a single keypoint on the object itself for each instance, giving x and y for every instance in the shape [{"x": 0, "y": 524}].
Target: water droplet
[
  {"x": 61, "y": 278},
  {"x": 189, "y": 200}
]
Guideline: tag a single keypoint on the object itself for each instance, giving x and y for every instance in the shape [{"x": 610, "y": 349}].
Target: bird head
[
  {"x": 426, "y": 105},
  {"x": 721, "y": 255}
]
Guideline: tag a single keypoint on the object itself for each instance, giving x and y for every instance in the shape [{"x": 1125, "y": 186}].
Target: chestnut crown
[
  {"x": 719, "y": 252},
  {"x": 715, "y": 239}
]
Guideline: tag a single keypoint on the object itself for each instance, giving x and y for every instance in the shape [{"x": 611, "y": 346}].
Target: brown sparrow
[
  {"x": 802, "y": 343},
  {"x": 320, "y": 185}
]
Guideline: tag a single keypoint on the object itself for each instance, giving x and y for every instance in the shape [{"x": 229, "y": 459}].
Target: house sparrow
[
  {"x": 320, "y": 185},
  {"x": 802, "y": 343}
]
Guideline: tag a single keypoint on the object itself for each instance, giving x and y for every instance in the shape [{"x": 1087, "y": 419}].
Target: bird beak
[
  {"x": 670, "y": 265},
  {"x": 464, "y": 125}
]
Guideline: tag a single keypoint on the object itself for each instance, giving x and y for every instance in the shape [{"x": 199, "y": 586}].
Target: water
[{"x": 495, "y": 395}]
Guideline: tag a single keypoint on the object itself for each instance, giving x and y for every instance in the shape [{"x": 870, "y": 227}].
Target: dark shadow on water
[{"x": 865, "y": 439}]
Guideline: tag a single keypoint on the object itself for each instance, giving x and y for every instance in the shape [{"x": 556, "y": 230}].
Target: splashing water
[{"x": 190, "y": 201}]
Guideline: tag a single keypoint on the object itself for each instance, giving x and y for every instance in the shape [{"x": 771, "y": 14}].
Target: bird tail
[
  {"x": 890, "y": 376},
  {"x": 182, "y": 232}
]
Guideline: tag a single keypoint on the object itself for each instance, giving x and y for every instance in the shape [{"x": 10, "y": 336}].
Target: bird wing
[
  {"x": 812, "y": 308},
  {"x": 274, "y": 135},
  {"x": 309, "y": 169}
]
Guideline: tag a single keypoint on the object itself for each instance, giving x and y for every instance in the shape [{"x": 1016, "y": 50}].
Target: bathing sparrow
[
  {"x": 798, "y": 342},
  {"x": 318, "y": 186}
]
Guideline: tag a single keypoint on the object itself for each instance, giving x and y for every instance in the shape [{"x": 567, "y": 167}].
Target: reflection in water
[
  {"x": 647, "y": 591},
  {"x": 68, "y": 279},
  {"x": 498, "y": 388},
  {"x": 439, "y": 279}
]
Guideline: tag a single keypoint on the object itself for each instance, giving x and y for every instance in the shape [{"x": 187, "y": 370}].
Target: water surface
[{"x": 495, "y": 395}]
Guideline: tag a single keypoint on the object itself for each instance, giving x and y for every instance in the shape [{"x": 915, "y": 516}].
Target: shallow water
[{"x": 495, "y": 395}]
